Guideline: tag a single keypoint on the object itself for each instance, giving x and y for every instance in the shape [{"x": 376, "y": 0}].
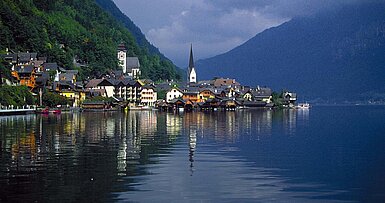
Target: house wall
[
  {"x": 207, "y": 94},
  {"x": 192, "y": 97},
  {"x": 148, "y": 97},
  {"x": 109, "y": 90},
  {"x": 76, "y": 97},
  {"x": 248, "y": 96},
  {"x": 172, "y": 94}
]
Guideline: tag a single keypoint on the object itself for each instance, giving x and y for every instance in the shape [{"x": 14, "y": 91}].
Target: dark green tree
[{"x": 51, "y": 99}]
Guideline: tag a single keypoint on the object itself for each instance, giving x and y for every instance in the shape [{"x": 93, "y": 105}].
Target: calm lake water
[{"x": 325, "y": 154}]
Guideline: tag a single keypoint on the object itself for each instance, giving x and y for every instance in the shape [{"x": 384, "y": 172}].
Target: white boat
[{"x": 303, "y": 106}]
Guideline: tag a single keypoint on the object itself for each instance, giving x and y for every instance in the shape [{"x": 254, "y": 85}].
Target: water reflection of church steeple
[{"x": 192, "y": 146}]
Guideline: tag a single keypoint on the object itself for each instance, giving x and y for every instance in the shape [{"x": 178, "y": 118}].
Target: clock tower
[{"x": 122, "y": 57}]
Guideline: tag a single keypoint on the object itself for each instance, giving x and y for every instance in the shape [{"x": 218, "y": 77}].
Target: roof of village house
[
  {"x": 147, "y": 81},
  {"x": 108, "y": 82},
  {"x": 191, "y": 89},
  {"x": 225, "y": 82},
  {"x": 8, "y": 56},
  {"x": 173, "y": 101},
  {"x": 93, "y": 83},
  {"x": 132, "y": 62},
  {"x": 148, "y": 87},
  {"x": 67, "y": 76},
  {"x": 66, "y": 84},
  {"x": 163, "y": 86},
  {"x": 262, "y": 92},
  {"x": 206, "y": 82},
  {"x": 176, "y": 88},
  {"x": 50, "y": 66},
  {"x": 37, "y": 63},
  {"x": 129, "y": 82},
  {"x": 42, "y": 78},
  {"x": 26, "y": 57},
  {"x": 116, "y": 73},
  {"x": 162, "y": 103},
  {"x": 24, "y": 69}
]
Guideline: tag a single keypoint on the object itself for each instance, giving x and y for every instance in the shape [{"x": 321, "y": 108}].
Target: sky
[{"x": 212, "y": 26}]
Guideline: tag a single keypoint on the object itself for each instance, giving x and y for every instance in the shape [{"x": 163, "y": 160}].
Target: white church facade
[{"x": 129, "y": 65}]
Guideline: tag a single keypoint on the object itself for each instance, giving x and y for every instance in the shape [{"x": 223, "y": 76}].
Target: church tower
[
  {"x": 191, "y": 75},
  {"x": 122, "y": 57}
]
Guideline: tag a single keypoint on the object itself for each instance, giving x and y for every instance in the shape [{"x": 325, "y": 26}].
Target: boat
[
  {"x": 47, "y": 111},
  {"x": 303, "y": 106},
  {"x": 56, "y": 111},
  {"x": 43, "y": 111}
]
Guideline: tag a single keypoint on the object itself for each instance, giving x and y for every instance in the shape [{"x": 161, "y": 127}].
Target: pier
[{"x": 9, "y": 112}]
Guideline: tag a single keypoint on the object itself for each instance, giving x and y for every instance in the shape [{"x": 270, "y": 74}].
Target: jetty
[{"x": 9, "y": 112}]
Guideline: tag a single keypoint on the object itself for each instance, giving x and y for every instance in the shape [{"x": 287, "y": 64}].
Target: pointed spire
[{"x": 191, "y": 63}]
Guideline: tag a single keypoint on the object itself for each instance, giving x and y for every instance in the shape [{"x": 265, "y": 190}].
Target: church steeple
[
  {"x": 191, "y": 63},
  {"x": 191, "y": 75}
]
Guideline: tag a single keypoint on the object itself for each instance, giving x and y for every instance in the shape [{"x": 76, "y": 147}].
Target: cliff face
[{"x": 335, "y": 55}]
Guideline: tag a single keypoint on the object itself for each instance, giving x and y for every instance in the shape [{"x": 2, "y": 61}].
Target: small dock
[{"x": 9, "y": 112}]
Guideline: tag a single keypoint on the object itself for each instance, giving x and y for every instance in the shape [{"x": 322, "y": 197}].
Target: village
[{"x": 125, "y": 89}]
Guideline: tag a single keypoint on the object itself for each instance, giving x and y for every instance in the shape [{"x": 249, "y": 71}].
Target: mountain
[
  {"x": 76, "y": 29},
  {"x": 333, "y": 55},
  {"x": 110, "y": 7}
]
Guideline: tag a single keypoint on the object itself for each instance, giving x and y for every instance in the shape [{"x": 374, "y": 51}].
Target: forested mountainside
[
  {"x": 333, "y": 55},
  {"x": 110, "y": 7},
  {"x": 65, "y": 30}
]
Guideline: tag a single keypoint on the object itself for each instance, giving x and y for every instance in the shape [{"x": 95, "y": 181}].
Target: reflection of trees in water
[{"x": 75, "y": 156}]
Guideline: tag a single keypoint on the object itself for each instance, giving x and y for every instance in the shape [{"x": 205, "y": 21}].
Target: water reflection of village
[{"x": 30, "y": 142}]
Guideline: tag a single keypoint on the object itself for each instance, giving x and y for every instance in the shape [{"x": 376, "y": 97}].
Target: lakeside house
[
  {"x": 148, "y": 96},
  {"x": 173, "y": 93}
]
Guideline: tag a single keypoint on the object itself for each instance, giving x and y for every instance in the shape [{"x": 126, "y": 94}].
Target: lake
[{"x": 325, "y": 154}]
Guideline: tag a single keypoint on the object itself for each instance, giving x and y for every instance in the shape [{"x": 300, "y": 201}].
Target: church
[
  {"x": 129, "y": 65},
  {"x": 191, "y": 72}
]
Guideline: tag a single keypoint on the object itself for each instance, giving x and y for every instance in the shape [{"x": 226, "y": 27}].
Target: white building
[
  {"x": 148, "y": 96},
  {"x": 173, "y": 93},
  {"x": 133, "y": 67}
]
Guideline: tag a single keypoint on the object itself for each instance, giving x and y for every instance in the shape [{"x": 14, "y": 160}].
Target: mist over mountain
[{"x": 334, "y": 55}]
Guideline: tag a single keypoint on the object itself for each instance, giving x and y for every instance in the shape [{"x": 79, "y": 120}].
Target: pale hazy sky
[{"x": 212, "y": 26}]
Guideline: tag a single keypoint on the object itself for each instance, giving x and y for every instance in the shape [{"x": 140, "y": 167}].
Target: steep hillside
[
  {"x": 110, "y": 7},
  {"x": 334, "y": 55},
  {"x": 67, "y": 29}
]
